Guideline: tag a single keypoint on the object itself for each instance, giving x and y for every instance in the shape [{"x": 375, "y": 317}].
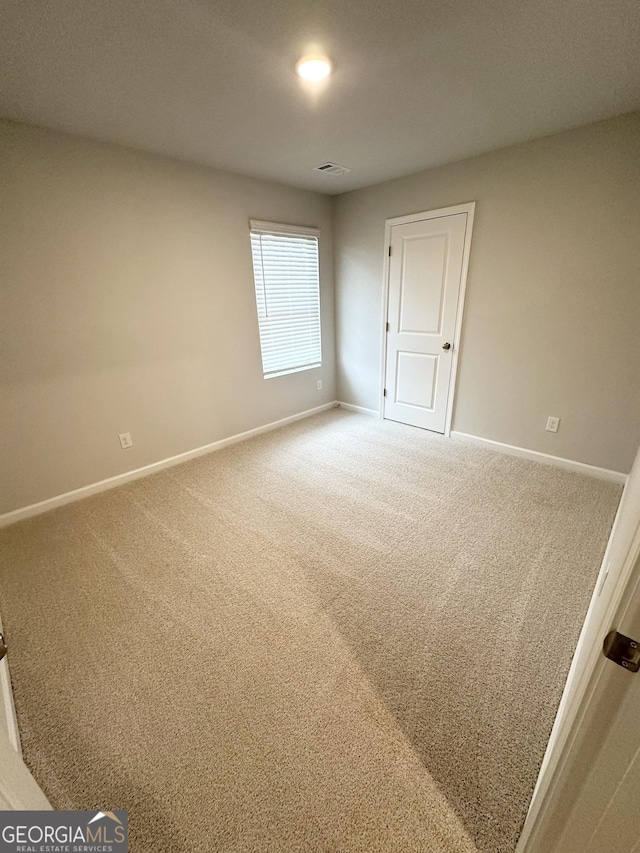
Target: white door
[
  {"x": 586, "y": 800},
  {"x": 427, "y": 264},
  {"x": 18, "y": 788},
  {"x": 605, "y": 817}
]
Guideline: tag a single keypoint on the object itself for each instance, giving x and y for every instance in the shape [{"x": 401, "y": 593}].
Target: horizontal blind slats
[{"x": 288, "y": 301}]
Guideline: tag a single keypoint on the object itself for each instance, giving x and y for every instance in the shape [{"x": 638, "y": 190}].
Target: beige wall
[
  {"x": 552, "y": 318},
  {"x": 127, "y": 304},
  {"x": 126, "y": 301}
]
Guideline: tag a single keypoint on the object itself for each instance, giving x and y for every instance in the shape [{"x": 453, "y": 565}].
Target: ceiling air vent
[{"x": 332, "y": 169}]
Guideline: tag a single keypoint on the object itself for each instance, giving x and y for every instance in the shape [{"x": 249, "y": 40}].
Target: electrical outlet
[
  {"x": 125, "y": 440},
  {"x": 552, "y": 424},
  {"x": 319, "y": 383}
]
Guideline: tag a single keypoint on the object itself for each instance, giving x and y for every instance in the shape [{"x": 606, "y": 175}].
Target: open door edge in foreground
[
  {"x": 576, "y": 740},
  {"x": 18, "y": 788}
]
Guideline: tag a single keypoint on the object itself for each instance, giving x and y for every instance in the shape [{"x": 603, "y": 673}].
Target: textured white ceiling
[{"x": 417, "y": 83}]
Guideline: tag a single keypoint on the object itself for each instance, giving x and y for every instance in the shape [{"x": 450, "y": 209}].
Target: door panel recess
[{"x": 426, "y": 276}]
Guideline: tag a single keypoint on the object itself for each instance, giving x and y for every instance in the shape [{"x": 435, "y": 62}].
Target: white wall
[
  {"x": 127, "y": 304},
  {"x": 552, "y": 318}
]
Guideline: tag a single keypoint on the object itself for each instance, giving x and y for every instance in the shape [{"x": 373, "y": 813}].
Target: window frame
[{"x": 259, "y": 227}]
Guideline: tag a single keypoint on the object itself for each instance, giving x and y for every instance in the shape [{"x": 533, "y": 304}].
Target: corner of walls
[
  {"x": 552, "y": 281},
  {"x": 129, "y": 306}
]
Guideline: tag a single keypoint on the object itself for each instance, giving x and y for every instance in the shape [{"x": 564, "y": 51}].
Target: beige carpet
[{"x": 346, "y": 635}]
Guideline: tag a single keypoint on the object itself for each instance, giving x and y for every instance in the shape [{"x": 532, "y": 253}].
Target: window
[{"x": 285, "y": 271}]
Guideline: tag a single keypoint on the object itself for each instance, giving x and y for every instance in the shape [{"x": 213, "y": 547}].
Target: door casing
[
  {"x": 469, "y": 209},
  {"x": 18, "y": 788},
  {"x": 8, "y": 718}
]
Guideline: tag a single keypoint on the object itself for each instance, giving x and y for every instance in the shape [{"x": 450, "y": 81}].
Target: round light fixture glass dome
[{"x": 313, "y": 67}]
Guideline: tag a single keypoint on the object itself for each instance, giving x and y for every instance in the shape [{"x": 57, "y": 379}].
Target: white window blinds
[{"x": 286, "y": 275}]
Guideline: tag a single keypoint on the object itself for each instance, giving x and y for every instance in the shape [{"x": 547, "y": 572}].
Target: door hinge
[
  {"x": 389, "y": 251},
  {"x": 3, "y": 646},
  {"x": 388, "y": 327},
  {"x": 384, "y": 393},
  {"x": 622, "y": 650}
]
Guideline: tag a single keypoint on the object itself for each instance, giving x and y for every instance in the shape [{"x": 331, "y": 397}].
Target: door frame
[
  {"x": 469, "y": 209},
  {"x": 18, "y": 789},
  {"x": 7, "y": 706}
]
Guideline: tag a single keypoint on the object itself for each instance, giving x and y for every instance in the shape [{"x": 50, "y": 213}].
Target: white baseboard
[
  {"x": 351, "y": 408},
  {"x": 138, "y": 473},
  {"x": 545, "y": 458}
]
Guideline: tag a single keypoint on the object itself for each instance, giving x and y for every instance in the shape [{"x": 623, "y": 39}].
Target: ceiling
[{"x": 417, "y": 83}]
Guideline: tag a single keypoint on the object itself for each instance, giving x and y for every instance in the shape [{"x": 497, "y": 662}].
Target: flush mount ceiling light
[{"x": 313, "y": 67}]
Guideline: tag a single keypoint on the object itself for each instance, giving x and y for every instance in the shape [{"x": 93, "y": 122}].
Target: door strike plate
[{"x": 622, "y": 650}]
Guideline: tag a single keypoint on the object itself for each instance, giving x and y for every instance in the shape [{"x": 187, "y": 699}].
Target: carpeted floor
[{"x": 346, "y": 635}]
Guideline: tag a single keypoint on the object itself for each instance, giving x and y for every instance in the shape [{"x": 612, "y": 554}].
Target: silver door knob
[{"x": 446, "y": 346}]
